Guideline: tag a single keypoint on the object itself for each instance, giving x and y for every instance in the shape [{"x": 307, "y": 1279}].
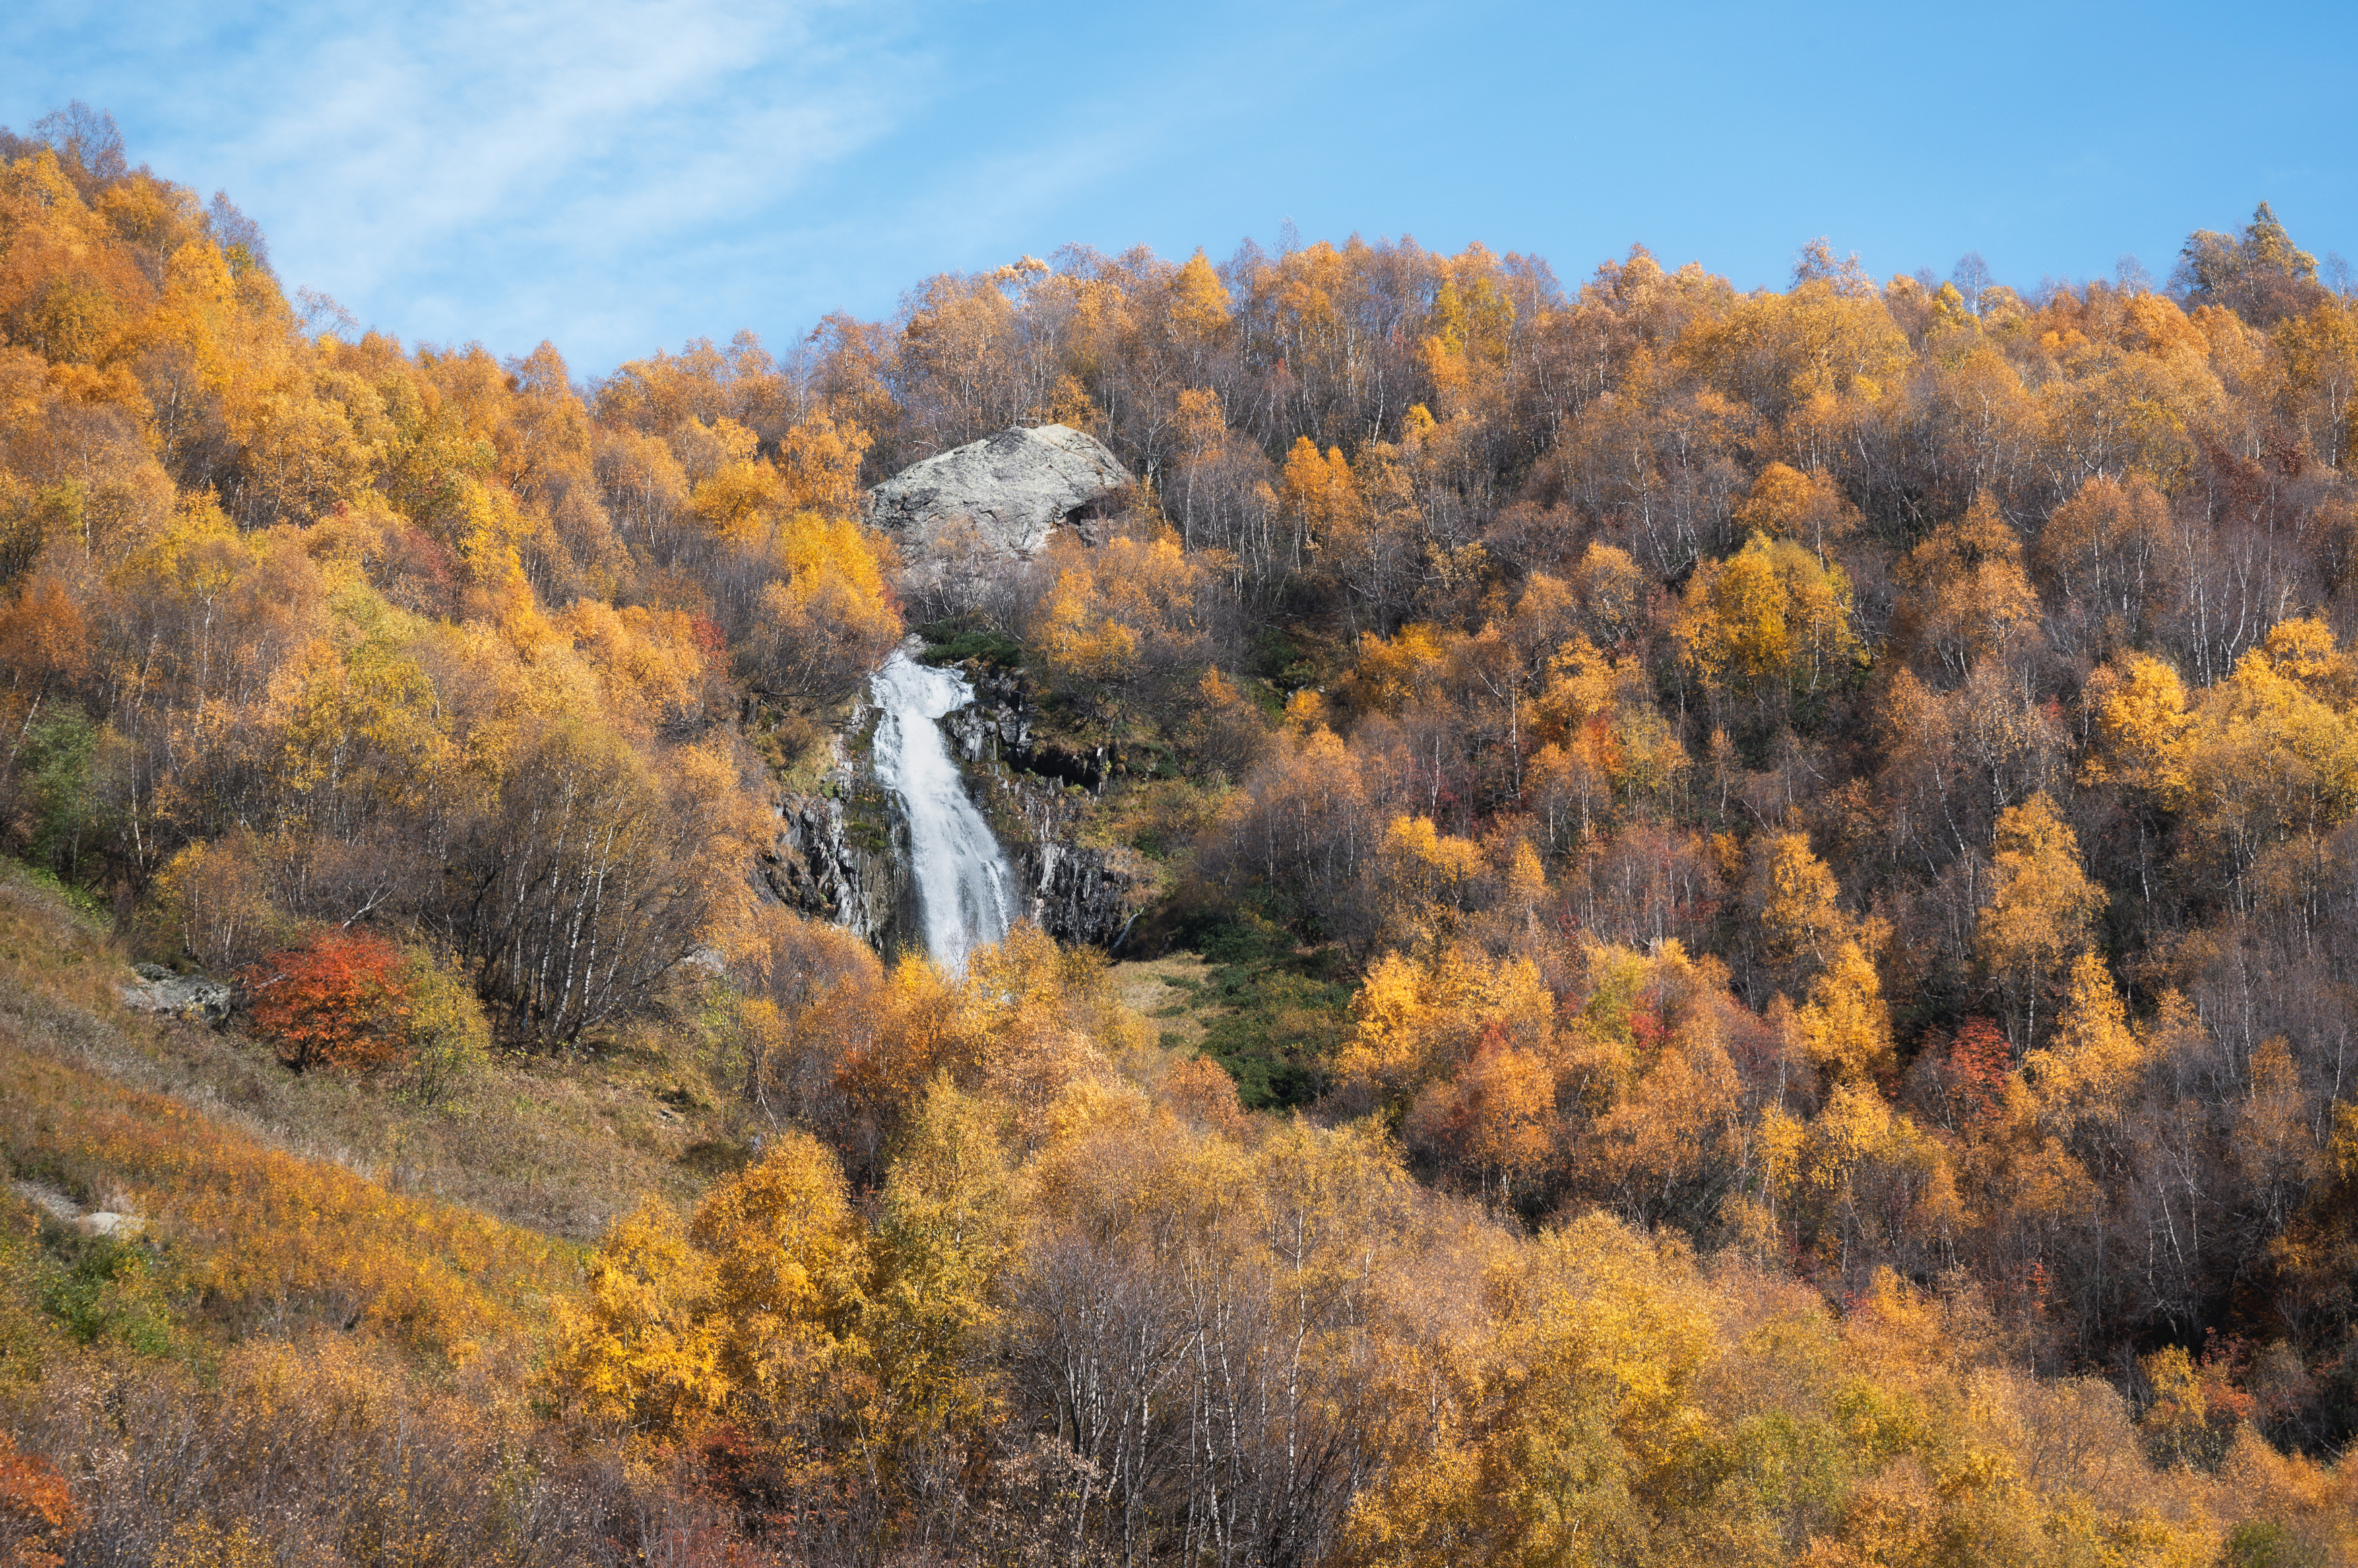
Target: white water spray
[{"x": 965, "y": 889}]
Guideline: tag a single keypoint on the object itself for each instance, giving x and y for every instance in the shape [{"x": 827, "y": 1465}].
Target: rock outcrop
[
  {"x": 61, "y": 1208},
  {"x": 1079, "y": 892},
  {"x": 997, "y": 728},
  {"x": 1034, "y": 796},
  {"x": 107, "y": 1222},
  {"x": 844, "y": 857},
  {"x": 192, "y": 996},
  {"x": 1012, "y": 488}
]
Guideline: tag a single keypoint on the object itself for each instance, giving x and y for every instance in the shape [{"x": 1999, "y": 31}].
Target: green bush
[{"x": 450, "y": 1038}]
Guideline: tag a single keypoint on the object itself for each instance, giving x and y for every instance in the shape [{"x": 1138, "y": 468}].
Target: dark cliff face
[
  {"x": 1078, "y": 893},
  {"x": 843, "y": 858},
  {"x": 843, "y": 854}
]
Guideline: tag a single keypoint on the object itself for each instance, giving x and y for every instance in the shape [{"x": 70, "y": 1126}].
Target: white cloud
[
  {"x": 621, "y": 175},
  {"x": 555, "y": 152},
  {"x": 508, "y": 170}
]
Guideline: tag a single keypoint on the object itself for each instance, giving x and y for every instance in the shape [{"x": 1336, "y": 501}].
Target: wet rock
[
  {"x": 997, "y": 728},
  {"x": 1078, "y": 893},
  {"x": 193, "y": 997},
  {"x": 1086, "y": 894},
  {"x": 845, "y": 863}
]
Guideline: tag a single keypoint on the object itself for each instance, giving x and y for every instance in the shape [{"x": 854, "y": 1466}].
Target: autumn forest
[{"x": 1744, "y": 908}]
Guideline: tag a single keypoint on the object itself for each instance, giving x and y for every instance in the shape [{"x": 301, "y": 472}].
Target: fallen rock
[
  {"x": 106, "y": 1222},
  {"x": 62, "y": 1207},
  {"x": 1011, "y": 489},
  {"x": 159, "y": 991}
]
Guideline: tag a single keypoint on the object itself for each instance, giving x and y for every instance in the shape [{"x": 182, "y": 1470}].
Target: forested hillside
[{"x": 1755, "y": 906}]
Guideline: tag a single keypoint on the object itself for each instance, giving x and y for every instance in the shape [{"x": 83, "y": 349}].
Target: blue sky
[{"x": 617, "y": 176}]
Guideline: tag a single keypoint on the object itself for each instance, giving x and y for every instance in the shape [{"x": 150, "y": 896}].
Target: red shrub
[
  {"x": 340, "y": 999},
  {"x": 36, "y": 1509},
  {"x": 1979, "y": 1060}
]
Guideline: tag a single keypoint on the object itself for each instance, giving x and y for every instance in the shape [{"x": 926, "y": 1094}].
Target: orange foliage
[
  {"x": 337, "y": 1000},
  {"x": 37, "y": 1508}
]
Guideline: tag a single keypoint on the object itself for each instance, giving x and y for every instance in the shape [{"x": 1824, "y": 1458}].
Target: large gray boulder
[
  {"x": 1012, "y": 488},
  {"x": 192, "y": 996}
]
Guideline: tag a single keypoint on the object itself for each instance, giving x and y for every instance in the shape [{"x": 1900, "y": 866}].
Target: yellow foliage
[
  {"x": 1305, "y": 713},
  {"x": 1969, "y": 597},
  {"x": 647, "y": 662},
  {"x": 2268, "y": 756},
  {"x": 2040, "y": 904},
  {"x": 2141, "y": 717},
  {"x": 1427, "y": 874},
  {"x": 269, "y": 1236},
  {"x": 1200, "y": 300},
  {"x": 212, "y": 901},
  {"x": 1599, "y": 729},
  {"x": 1320, "y": 493},
  {"x": 787, "y": 1263},
  {"x": 354, "y": 631},
  {"x": 1770, "y": 617},
  {"x": 1082, "y": 643},
  {"x": 362, "y": 721},
  {"x": 816, "y": 546},
  {"x": 450, "y": 1039},
  {"x": 1787, "y": 503},
  {"x": 739, "y": 501},
  {"x": 949, "y": 1230},
  {"x": 1029, "y": 1022},
  {"x": 2088, "y": 1068},
  {"x": 1418, "y": 1020},
  {"x": 821, "y": 459},
  {"x": 833, "y": 619},
  {"x": 1391, "y": 671},
  {"x": 200, "y": 1544},
  {"x": 1845, "y": 1025},
  {"x": 1802, "y": 913},
  {"x": 638, "y": 1352},
  {"x": 1574, "y": 1421}
]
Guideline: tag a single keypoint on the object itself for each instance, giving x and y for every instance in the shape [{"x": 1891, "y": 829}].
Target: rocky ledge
[
  {"x": 1078, "y": 893},
  {"x": 843, "y": 854}
]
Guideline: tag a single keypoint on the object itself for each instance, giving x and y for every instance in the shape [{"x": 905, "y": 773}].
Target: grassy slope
[
  {"x": 1271, "y": 1012},
  {"x": 269, "y": 1202},
  {"x": 558, "y": 1148}
]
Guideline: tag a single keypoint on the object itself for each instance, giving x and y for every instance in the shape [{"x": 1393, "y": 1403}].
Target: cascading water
[{"x": 965, "y": 889}]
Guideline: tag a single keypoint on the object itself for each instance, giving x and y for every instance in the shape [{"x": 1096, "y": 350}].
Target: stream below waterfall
[{"x": 965, "y": 888}]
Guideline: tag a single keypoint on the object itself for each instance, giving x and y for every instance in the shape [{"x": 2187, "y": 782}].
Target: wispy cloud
[
  {"x": 624, "y": 174},
  {"x": 628, "y": 173},
  {"x": 508, "y": 171}
]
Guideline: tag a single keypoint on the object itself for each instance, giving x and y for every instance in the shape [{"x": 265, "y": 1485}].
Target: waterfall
[{"x": 965, "y": 888}]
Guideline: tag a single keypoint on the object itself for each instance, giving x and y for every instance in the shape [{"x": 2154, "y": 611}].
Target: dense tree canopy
[{"x": 1779, "y": 865}]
